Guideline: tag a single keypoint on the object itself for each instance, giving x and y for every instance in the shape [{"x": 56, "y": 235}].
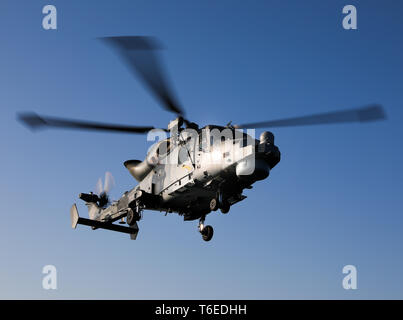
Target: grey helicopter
[{"x": 190, "y": 171}]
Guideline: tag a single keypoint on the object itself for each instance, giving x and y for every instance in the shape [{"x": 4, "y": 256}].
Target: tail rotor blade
[
  {"x": 98, "y": 187},
  {"x": 109, "y": 182}
]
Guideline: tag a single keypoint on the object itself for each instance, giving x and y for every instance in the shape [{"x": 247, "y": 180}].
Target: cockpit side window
[
  {"x": 163, "y": 148},
  {"x": 183, "y": 155},
  {"x": 245, "y": 139},
  {"x": 203, "y": 145},
  {"x": 220, "y": 135}
]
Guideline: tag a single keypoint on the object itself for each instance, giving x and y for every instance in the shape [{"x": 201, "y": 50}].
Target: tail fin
[
  {"x": 93, "y": 210},
  {"x": 91, "y": 201}
]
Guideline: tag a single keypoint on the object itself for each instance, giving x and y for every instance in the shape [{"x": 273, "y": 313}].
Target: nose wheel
[{"x": 207, "y": 232}]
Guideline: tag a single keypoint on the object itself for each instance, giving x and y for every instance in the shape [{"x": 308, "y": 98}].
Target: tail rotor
[
  {"x": 100, "y": 199},
  {"x": 102, "y": 190}
]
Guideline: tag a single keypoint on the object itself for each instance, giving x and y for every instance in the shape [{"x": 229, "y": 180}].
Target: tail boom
[{"x": 95, "y": 224}]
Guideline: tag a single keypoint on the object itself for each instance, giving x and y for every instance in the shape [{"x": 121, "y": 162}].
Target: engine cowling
[{"x": 138, "y": 169}]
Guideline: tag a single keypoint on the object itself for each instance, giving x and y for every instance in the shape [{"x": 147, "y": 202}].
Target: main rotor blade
[
  {"x": 140, "y": 55},
  {"x": 365, "y": 114},
  {"x": 35, "y": 122}
]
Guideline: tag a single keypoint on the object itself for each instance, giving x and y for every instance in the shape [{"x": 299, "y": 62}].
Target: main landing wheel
[
  {"x": 213, "y": 204},
  {"x": 207, "y": 233},
  {"x": 132, "y": 217},
  {"x": 225, "y": 206},
  {"x": 223, "y": 203}
]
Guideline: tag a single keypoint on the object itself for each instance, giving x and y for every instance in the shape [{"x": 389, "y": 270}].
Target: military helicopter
[{"x": 193, "y": 171}]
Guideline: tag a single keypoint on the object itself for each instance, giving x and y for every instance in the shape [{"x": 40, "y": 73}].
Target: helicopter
[{"x": 190, "y": 171}]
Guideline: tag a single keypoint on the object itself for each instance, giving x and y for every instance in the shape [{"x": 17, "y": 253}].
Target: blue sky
[{"x": 334, "y": 199}]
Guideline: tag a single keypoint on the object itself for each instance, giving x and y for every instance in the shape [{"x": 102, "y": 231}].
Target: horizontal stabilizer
[{"x": 76, "y": 219}]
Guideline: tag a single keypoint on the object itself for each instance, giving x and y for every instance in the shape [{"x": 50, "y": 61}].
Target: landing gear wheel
[
  {"x": 207, "y": 233},
  {"x": 223, "y": 202},
  {"x": 131, "y": 217},
  {"x": 225, "y": 207},
  {"x": 213, "y": 204}
]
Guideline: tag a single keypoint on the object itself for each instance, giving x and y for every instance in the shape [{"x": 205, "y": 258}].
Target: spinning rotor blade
[
  {"x": 364, "y": 114},
  {"x": 102, "y": 191},
  {"x": 98, "y": 187},
  {"x": 109, "y": 182},
  {"x": 35, "y": 122},
  {"x": 140, "y": 55}
]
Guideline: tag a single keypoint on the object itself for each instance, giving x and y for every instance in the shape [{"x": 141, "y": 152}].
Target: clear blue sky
[{"x": 334, "y": 199}]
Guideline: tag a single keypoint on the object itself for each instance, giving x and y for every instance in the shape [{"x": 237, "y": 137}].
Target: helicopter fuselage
[{"x": 194, "y": 169}]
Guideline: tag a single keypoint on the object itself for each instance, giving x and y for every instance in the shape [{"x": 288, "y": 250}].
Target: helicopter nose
[
  {"x": 269, "y": 152},
  {"x": 252, "y": 169}
]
